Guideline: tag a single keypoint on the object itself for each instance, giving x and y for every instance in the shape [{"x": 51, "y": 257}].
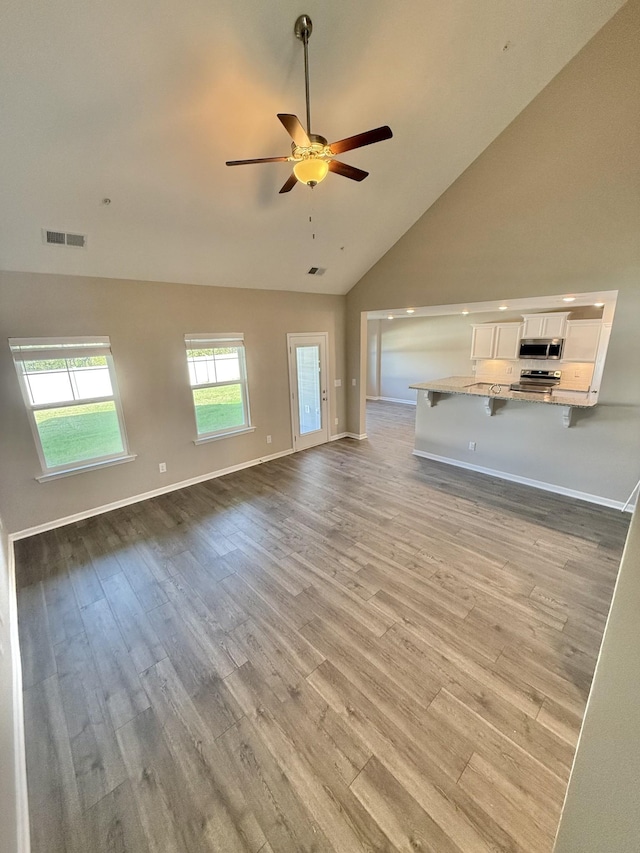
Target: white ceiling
[{"x": 142, "y": 102}]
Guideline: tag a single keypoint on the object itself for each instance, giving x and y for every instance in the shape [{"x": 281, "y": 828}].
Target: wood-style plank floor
[{"x": 349, "y": 649}]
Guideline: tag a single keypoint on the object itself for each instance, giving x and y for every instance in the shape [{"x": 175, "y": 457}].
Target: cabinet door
[
  {"x": 554, "y": 326},
  {"x": 533, "y": 327},
  {"x": 482, "y": 341},
  {"x": 507, "y": 341},
  {"x": 581, "y": 341}
]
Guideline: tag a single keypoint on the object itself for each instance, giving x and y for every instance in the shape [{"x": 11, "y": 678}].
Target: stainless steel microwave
[{"x": 541, "y": 348}]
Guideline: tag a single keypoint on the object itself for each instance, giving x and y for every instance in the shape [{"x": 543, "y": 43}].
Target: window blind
[{"x": 32, "y": 349}]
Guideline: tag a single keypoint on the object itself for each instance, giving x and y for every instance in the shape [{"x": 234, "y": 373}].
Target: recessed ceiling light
[
  {"x": 465, "y": 312},
  {"x": 502, "y": 307},
  {"x": 598, "y": 304},
  {"x": 390, "y": 317},
  {"x": 411, "y": 310},
  {"x": 568, "y": 299}
]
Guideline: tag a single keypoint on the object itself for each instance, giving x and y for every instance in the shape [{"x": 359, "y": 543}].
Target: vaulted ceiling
[{"x": 142, "y": 102}]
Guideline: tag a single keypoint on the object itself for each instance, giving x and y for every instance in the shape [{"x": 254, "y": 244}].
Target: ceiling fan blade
[
  {"x": 289, "y": 184},
  {"x": 295, "y": 130},
  {"x": 361, "y": 139},
  {"x": 347, "y": 171},
  {"x": 260, "y": 160}
]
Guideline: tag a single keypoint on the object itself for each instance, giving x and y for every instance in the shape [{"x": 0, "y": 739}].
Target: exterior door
[{"x": 308, "y": 377}]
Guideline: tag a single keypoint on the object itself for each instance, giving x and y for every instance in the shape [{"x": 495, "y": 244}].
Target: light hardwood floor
[{"x": 349, "y": 649}]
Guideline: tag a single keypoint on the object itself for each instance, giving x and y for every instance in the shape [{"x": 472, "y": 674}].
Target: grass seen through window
[
  {"x": 76, "y": 433},
  {"x": 218, "y": 408}
]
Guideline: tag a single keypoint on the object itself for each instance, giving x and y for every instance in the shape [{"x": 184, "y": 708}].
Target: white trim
[
  {"x": 68, "y": 404},
  {"x": 397, "y": 400},
  {"x": 338, "y": 436},
  {"x": 163, "y": 490},
  {"x": 373, "y": 398},
  {"x": 20, "y": 778},
  {"x": 80, "y": 469},
  {"x": 356, "y": 436},
  {"x": 218, "y": 435},
  {"x": 526, "y": 481}
]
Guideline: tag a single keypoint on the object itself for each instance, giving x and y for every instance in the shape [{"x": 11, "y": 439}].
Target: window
[
  {"x": 69, "y": 388},
  {"x": 218, "y": 377}
]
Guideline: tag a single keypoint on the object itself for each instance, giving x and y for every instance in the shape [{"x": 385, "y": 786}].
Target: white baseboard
[
  {"x": 20, "y": 777},
  {"x": 372, "y": 398},
  {"x": 398, "y": 400},
  {"x": 525, "y": 481},
  {"x": 356, "y": 436},
  {"x": 338, "y": 436},
  {"x": 173, "y": 487}
]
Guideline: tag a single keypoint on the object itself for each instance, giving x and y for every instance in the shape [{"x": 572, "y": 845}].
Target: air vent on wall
[
  {"x": 63, "y": 238},
  {"x": 317, "y": 271}
]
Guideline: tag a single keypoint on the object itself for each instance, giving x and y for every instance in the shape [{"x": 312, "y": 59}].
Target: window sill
[
  {"x": 206, "y": 438},
  {"x": 92, "y": 466}
]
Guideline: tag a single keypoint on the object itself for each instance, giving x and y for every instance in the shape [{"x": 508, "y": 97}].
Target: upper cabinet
[
  {"x": 507, "y": 340},
  {"x": 545, "y": 325},
  {"x": 482, "y": 340},
  {"x": 495, "y": 340},
  {"x": 581, "y": 340}
]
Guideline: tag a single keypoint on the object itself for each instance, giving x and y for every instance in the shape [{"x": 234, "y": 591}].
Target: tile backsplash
[{"x": 576, "y": 376}]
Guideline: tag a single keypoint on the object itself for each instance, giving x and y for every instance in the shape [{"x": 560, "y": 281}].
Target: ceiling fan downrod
[{"x": 303, "y": 29}]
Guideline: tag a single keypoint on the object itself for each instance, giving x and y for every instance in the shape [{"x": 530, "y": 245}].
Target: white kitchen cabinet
[
  {"x": 581, "y": 340},
  {"x": 545, "y": 325},
  {"x": 495, "y": 340},
  {"x": 483, "y": 340},
  {"x": 507, "y": 340}
]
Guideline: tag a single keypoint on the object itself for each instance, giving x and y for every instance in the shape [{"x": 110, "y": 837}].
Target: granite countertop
[{"x": 471, "y": 387}]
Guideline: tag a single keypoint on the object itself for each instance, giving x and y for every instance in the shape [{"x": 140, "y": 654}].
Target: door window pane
[{"x": 308, "y": 375}]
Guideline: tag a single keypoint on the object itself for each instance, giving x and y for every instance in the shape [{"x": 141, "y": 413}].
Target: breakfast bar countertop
[{"x": 470, "y": 386}]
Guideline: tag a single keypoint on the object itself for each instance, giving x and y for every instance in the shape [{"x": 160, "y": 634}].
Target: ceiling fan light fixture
[{"x": 311, "y": 170}]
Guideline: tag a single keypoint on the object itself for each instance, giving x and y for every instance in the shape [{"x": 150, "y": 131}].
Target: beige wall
[
  {"x": 602, "y": 807},
  {"x": 147, "y": 323},
  {"x": 553, "y": 205}
]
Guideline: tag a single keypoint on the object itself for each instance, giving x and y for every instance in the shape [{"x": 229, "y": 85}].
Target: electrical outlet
[
  {"x": 472, "y": 445},
  {"x": 268, "y": 439},
  {"x": 509, "y": 369},
  {"x": 337, "y": 383},
  {"x": 353, "y": 382},
  {"x": 336, "y": 422},
  {"x": 162, "y": 467}
]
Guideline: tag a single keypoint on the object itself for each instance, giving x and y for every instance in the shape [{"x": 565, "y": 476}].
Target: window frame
[
  {"x": 34, "y": 349},
  {"x": 213, "y": 340}
]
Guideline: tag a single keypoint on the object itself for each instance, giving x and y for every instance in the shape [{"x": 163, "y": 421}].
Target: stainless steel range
[{"x": 537, "y": 381}]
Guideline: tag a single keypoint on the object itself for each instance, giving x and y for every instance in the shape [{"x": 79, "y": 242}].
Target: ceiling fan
[{"x": 312, "y": 156}]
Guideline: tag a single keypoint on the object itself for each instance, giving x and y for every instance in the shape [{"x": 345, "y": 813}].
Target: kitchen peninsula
[
  {"x": 470, "y": 386},
  {"x": 492, "y": 391}
]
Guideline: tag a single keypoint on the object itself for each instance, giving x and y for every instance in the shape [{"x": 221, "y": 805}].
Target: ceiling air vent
[
  {"x": 317, "y": 271},
  {"x": 63, "y": 238}
]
